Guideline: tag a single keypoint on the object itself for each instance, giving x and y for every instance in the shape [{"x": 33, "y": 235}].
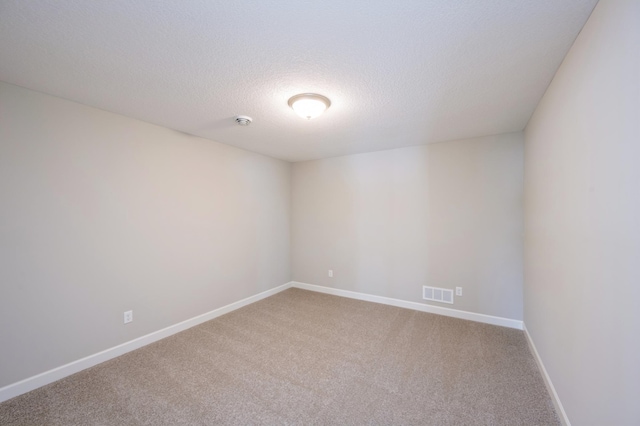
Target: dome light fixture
[{"x": 309, "y": 105}]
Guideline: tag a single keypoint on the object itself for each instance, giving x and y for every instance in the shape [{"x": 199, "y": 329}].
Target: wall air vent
[{"x": 437, "y": 294}]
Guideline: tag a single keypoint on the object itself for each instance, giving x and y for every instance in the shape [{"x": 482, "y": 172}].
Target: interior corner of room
[{"x": 535, "y": 229}]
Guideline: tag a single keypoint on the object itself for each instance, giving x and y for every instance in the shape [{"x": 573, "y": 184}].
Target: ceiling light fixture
[{"x": 309, "y": 105}]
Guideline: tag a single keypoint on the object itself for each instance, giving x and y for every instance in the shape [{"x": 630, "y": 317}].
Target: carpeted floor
[{"x": 301, "y": 357}]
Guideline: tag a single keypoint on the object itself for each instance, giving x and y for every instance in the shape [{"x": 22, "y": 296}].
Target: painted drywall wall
[
  {"x": 582, "y": 221},
  {"x": 389, "y": 222},
  {"x": 101, "y": 214}
]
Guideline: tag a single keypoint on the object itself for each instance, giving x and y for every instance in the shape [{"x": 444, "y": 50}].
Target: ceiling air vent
[
  {"x": 437, "y": 294},
  {"x": 243, "y": 120}
]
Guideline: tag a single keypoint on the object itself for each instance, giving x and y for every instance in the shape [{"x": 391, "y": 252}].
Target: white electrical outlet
[
  {"x": 458, "y": 291},
  {"x": 330, "y": 273},
  {"x": 128, "y": 317}
]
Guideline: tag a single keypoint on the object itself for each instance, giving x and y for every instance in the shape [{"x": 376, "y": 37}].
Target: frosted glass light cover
[{"x": 309, "y": 105}]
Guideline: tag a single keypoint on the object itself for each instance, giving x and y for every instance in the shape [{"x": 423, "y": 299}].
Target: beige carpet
[{"x": 301, "y": 357}]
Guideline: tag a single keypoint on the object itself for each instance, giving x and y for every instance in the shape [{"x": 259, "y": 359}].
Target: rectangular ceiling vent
[{"x": 437, "y": 294}]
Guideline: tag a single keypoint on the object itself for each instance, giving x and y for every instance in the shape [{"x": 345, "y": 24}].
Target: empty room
[{"x": 422, "y": 212}]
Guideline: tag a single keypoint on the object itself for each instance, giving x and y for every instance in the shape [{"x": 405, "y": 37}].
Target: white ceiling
[{"x": 398, "y": 73}]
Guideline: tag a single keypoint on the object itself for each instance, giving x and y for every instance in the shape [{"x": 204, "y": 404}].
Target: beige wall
[
  {"x": 389, "y": 222},
  {"x": 582, "y": 221},
  {"x": 101, "y": 213}
]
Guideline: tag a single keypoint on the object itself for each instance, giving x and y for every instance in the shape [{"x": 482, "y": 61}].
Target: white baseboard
[
  {"x": 39, "y": 380},
  {"x": 547, "y": 381},
  {"x": 471, "y": 316}
]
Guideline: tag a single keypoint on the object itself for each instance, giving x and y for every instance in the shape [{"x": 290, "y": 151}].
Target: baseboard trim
[
  {"x": 471, "y": 316},
  {"x": 547, "y": 380},
  {"x": 39, "y": 380},
  {"x": 50, "y": 376}
]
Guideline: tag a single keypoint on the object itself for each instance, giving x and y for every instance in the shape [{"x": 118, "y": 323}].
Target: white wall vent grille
[{"x": 437, "y": 294}]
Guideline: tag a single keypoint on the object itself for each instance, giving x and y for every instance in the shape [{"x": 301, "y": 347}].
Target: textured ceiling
[{"x": 397, "y": 73}]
